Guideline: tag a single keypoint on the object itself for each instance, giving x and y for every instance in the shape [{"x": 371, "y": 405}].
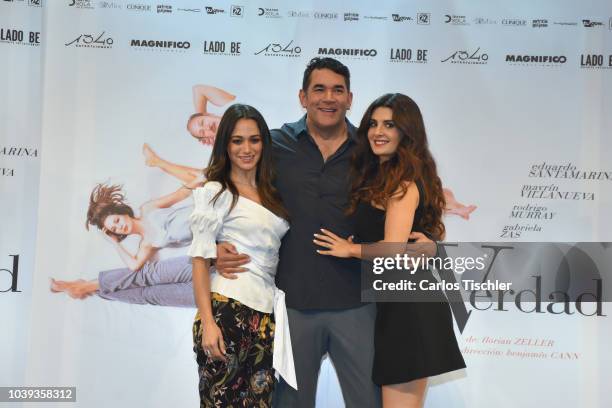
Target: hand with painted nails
[{"x": 336, "y": 246}]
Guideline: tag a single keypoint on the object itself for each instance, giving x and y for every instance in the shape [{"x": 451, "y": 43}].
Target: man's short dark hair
[{"x": 326, "y": 63}]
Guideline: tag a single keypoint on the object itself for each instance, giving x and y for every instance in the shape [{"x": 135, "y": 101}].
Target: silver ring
[{"x": 207, "y": 352}]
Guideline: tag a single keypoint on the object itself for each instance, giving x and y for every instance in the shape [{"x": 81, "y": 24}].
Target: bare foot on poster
[
  {"x": 455, "y": 207},
  {"x": 78, "y": 289},
  {"x": 151, "y": 158}
]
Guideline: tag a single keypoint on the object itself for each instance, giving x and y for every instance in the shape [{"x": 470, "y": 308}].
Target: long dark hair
[
  {"x": 107, "y": 199},
  {"x": 219, "y": 166},
  {"x": 375, "y": 182}
]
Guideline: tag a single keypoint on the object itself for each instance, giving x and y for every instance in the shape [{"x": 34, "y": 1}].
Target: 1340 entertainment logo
[
  {"x": 475, "y": 57},
  {"x": 19, "y": 37},
  {"x": 92, "y": 41},
  {"x": 280, "y": 50}
]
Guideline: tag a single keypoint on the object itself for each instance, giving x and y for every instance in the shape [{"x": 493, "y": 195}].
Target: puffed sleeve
[{"x": 207, "y": 219}]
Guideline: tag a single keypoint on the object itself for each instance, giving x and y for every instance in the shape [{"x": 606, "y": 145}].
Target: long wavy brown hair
[
  {"x": 376, "y": 182},
  {"x": 219, "y": 166},
  {"x": 105, "y": 200}
]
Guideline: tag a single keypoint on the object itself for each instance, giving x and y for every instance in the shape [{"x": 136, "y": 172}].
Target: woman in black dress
[{"x": 396, "y": 194}]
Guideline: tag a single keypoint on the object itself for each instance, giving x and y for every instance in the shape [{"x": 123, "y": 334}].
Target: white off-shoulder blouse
[{"x": 256, "y": 231}]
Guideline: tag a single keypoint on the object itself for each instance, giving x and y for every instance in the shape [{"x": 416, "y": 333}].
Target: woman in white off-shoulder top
[{"x": 241, "y": 332}]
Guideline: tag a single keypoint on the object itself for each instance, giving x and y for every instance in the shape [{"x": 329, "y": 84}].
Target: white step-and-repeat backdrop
[{"x": 517, "y": 100}]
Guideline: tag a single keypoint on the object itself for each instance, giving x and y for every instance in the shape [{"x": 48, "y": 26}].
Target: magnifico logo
[
  {"x": 349, "y": 52},
  {"x": 166, "y": 45},
  {"x": 14, "y": 276},
  {"x": 92, "y": 41},
  {"x": 536, "y": 59},
  {"x": 12, "y": 36}
]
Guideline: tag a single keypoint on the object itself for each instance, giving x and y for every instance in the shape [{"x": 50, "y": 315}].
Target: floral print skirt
[{"x": 247, "y": 378}]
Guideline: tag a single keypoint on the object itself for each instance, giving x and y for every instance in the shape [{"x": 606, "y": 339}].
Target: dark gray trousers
[
  {"x": 348, "y": 336},
  {"x": 163, "y": 283}
]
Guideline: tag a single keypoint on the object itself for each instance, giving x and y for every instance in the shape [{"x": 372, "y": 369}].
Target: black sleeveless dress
[{"x": 411, "y": 340}]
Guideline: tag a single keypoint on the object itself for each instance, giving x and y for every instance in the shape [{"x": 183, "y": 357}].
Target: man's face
[{"x": 326, "y": 100}]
